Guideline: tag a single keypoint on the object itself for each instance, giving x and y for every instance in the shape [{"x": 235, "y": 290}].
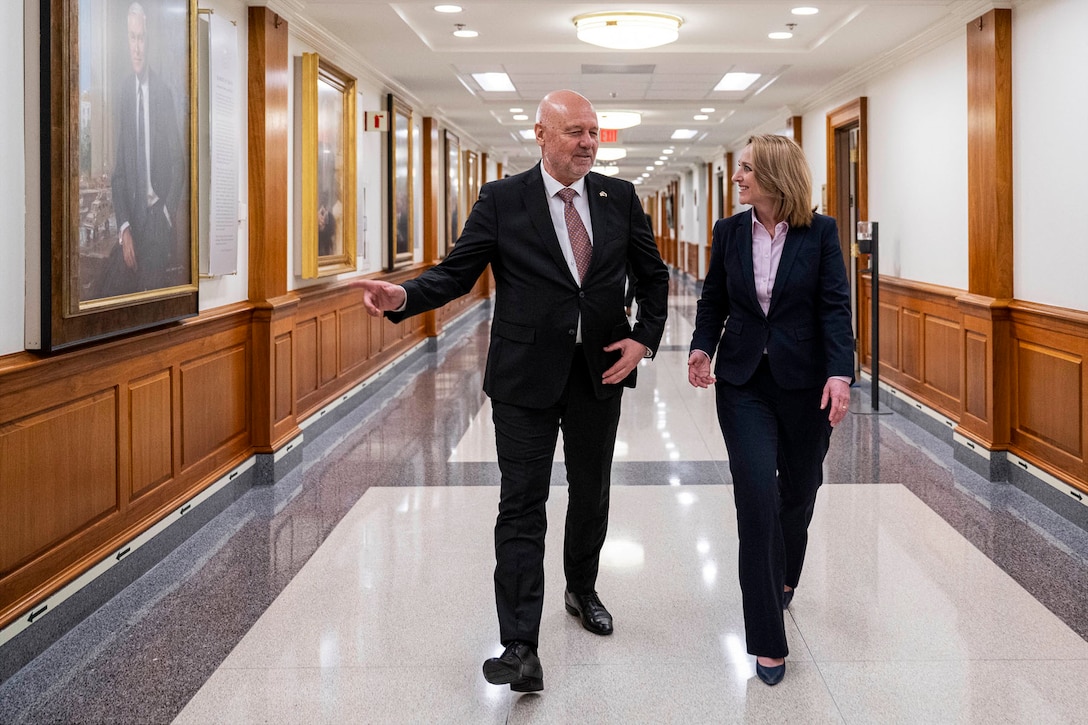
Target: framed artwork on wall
[
  {"x": 118, "y": 167},
  {"x": 454, "y": 214},
  {"x": 472, "y": 178},
  {"x": 327, "y": 169},
  {"x": 401, "y": 184}
]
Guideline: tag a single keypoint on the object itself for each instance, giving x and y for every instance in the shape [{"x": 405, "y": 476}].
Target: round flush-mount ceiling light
[{"x": 628, "y": 30}]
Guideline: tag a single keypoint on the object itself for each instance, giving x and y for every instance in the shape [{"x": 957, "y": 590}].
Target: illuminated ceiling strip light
[
  {"x": 494, "y": 82},
  {"x": 735, "y": 81}
]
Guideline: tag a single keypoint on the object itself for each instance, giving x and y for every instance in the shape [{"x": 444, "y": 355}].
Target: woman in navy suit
[{"x": 775, "y": 308}]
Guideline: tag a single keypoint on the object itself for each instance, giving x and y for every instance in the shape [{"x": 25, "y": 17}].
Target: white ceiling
[{"x": 411, "y": 47}]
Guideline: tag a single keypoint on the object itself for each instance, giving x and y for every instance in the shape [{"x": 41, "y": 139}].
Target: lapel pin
[{"x": 604, "y": 193}]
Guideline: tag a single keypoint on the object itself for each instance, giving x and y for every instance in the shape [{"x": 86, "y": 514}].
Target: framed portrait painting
[
  {"x": 118, "y": 167},
  {"x": 453, "y": 190},
  {"x": 328, "y": 168},
  {"x": 401, "y": 184}
]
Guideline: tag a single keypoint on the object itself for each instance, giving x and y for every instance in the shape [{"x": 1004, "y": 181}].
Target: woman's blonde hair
[{"x": 781, "y": 171}]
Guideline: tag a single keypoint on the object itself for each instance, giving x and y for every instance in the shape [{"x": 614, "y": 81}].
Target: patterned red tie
[{"x": 576, "y": 230}]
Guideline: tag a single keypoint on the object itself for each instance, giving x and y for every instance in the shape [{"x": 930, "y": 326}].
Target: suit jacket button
[
  {"x": 581, "y": 294},
  {"x": 572, "y": 332}
]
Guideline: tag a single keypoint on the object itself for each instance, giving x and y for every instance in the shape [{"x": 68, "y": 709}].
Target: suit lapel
[
  {"x": 598, "y": 200},
  {"x": 744, "y": 251},
  {"x": 795, "y": 239},
  {"x": 536, "y": 204}
]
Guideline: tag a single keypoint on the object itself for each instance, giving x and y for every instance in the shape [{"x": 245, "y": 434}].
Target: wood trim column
[
  {"x": 989, "y": 154},
  {"x": 986, "y": 377},
  {"x": 272, "y": 357},
  {"x": 268, "y": 149},
  {"x": 728, "y": 211},
  {"x": 793, "y": 125}
]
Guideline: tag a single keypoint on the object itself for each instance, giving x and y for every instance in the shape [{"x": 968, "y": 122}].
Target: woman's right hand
[{"x": 699, "y": 374}]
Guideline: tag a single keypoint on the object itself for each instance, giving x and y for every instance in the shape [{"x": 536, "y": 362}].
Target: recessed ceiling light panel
[
  {"x": 494, "y": 82},
  {"x": 736, "y": 81}
]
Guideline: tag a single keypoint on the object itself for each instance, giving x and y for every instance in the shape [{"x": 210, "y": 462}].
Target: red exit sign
[{"x": 608, "y": 135}]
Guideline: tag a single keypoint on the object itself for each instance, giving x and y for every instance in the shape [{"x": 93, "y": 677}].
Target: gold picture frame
[
  {"x": 401, "y": 201},
  {"x": 118, "y": 167},
  {"x": 328, "y": 169},
  {"x": 454, "y": 198},
  {"x": 472, "y": 177}
]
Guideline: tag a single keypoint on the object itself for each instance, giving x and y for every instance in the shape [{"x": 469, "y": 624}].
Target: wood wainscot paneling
[
  {"x": 59, "y": 470},
  {"x": 1049, "y": 347},
  {"x": 98, "y": 444},
  {"x": 920, "y": 340},
  {"x": 213, "y": 402},
  {"x": 985, "y": 375},
  {"x": 338, "y": 345}
]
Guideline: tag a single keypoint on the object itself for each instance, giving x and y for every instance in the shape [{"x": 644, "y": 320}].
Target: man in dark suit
[
  {"x": 560, "y": 241},
  {"x": 148, "y": 177}
]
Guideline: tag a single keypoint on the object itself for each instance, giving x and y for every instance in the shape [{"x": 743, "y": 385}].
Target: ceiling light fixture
[
  {"x": 494, "y": 82},
  {"x": 618, "y": 119},
  {"x": 447, "y": 8},
  {"x": 527, "y": 133},
  {"x": 463, "y": 32},
  {"x": 606, "y": 170},
  {"x": 520, "y": 117},
  {"x": 736, "y": 81},
  {"x": 805, "y": 11},
  {"x": 629, "y": 30},
  {"x": 611, "y": 153},
  {"x": 783, "y": 34},
  {"x": 683, "y": 134},
  {"x": 700, "y": 117}
]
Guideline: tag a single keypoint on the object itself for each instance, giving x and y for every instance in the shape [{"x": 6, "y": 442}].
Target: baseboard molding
[{"x": 994, "y": 466}]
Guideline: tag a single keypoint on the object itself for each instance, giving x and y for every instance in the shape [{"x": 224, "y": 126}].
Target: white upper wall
[
  {"x": 13, "y": 190},
  {"x": 917, "y": 143},
  {"x": 1050, "y": 153}
]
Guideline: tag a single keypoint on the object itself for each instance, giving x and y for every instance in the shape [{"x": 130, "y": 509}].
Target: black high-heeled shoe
[{"x": 771, "y": 675}]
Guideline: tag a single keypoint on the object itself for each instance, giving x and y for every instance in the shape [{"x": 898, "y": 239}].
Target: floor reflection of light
[
  {"x": 710, "y": 573},
  {"x": 621, "y": 450},
  {"x": 674, "y": 481},
  {"x": 702, "y": 546},
  {"x": 686, "y": 498},
  {"x": 735, "y": 652},
  {"x": 674, "y": 456},
  {"x": 622, "y": 554},
  {"x": 328, "y": 650}
]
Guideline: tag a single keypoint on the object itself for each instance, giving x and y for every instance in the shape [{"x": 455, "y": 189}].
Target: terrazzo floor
[{"x": 358, "y": 588}]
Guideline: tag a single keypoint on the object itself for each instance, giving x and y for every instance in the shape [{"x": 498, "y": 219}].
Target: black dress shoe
[
  {"x": 594, "y": 616},
  {"x": 787, "y": 597},
  {"x": 771, "y": 675},
  {"x": 518, "y": 666}
]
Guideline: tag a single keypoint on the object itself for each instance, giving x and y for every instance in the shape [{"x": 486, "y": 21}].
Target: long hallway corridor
[{"x": 358, "y": 589}]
